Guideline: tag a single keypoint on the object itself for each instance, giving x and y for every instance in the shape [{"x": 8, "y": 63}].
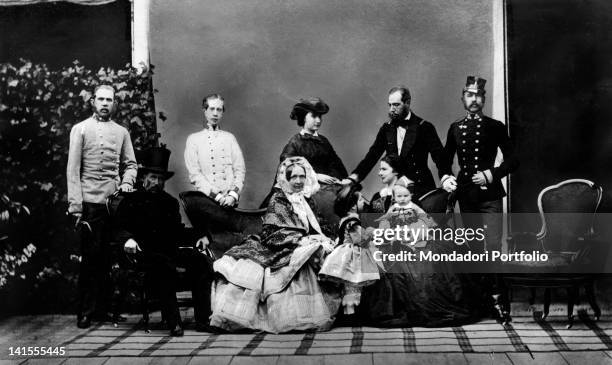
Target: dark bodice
[{"x": 319, "y": 153}]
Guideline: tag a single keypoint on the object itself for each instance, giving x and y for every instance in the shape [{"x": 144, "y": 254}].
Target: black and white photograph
[{"x": 305, "y": 182}]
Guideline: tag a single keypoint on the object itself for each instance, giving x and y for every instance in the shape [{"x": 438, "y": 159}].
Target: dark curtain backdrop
[
  {"x": 560, "y": 91},
  {"x": 264, "y": 55},
  {"x": 57, "y": 33}
]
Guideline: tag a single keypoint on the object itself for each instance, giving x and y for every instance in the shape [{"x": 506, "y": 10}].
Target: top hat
[
  {"x": 475, "y": 84},
  {"x": 314, "y": 105},
  {"x": 156, "y": 159}
]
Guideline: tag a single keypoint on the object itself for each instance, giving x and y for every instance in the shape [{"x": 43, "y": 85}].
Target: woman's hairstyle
[
  {"x": 314, "y": 105},
  {"x": 394, "y": 161},
  {"x": 283, "y": 175},
  {"x": 290, "y": 169},
  {"x": 346, "y": 198},
  {"x": 300, "y": 116}
]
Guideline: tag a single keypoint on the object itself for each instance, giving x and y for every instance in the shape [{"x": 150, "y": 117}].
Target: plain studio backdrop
[{"x": 262, "y": 56}]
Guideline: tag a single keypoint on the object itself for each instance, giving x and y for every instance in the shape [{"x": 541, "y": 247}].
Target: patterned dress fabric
[
  {"x": 269, "y": 283},
  {"x": 351, "y": 263},
  {"x": 351, "y": 260}
]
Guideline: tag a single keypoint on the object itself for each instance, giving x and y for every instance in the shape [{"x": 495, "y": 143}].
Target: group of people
[{"x": 314, "y": 255}]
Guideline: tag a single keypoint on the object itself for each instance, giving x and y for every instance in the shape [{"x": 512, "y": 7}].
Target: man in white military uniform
[
  {"x": 99, "y": 147},
  {"x": 213, "y": 157}
]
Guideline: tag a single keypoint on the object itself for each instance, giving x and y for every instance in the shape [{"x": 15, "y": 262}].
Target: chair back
[
  {"x": 204, "y": 211},
  {"x": 227, "y": 227},
  {"x": 439, "y": 204},
  {"x": 567, "y": 210}
]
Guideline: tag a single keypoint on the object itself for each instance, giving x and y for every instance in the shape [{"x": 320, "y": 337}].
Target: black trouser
[
  {"x": 160, "y": 279},
  {"x": 200, "y": 277},
  {"x": 94, "y": 285},
  {"x": 488, "y": 215},
  {"x": 484, "y": 214}
]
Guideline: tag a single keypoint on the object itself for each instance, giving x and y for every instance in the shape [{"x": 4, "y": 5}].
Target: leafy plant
[{"x": 38, "y": 107}]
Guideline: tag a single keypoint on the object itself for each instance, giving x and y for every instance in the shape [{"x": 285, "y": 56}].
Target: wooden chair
[
  {"x": 567, "y": 211},
  {"x": 130, "y": 272},
  {"x": 440, "y": 205}
]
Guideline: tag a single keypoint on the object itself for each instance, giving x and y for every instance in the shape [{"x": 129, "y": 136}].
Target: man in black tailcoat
[
  {"x": 408, "y": 136},
  {"x": 150, "y": 226}
]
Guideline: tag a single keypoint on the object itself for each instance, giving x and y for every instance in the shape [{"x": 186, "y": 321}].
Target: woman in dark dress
[
  {"x": 418, "y": 293},
  {"x": 311, "y": 145},
  {"x": 315, "y": 148}
]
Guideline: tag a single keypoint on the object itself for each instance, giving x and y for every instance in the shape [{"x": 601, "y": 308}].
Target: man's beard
[
  {"x": 154, "y": 188},
  {"x": 103, "y": 115},
  {"x": 398, "y": 116}
]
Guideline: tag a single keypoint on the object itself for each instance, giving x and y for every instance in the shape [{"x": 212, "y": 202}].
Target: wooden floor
[
  {"x": 548, "y": 358},
  {"x": 55, "y": 330},
  {"x": 548, "y": 343}
]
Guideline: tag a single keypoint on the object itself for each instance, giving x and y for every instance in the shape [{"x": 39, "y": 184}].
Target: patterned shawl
[{"x": 288, "y": 219}]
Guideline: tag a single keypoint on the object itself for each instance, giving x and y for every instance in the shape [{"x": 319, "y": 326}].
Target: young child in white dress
[
  {"x": 350, "y": 263},
  {"x": 404, "y": 212}
]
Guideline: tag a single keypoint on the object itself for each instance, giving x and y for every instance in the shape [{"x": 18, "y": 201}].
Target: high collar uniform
[
  {"x": 214, "y": 160},
  {"x": 99, "y": 149},
  {"x": 475, "y": 139}
]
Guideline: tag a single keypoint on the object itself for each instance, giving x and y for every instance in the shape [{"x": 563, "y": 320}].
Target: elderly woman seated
[{"x": 269, "y": 282}]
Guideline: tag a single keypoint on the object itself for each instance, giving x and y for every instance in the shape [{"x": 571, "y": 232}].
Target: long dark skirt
[{"x": 421, "y": 293}]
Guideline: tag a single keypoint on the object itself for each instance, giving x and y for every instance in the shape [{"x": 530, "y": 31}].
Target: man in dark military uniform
[
  {"x": 408, "y": 136},
  {"x": 475, "y": 139},
  {"x": 150, "y": 226}
]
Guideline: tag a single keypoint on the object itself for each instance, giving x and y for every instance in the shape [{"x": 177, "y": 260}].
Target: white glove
[
  {"x": 131, "y": 246},
  {"x": 202, "y": 243},
  {"x": 450, "y": 184}
]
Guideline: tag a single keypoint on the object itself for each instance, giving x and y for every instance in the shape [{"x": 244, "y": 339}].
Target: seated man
[{"x": 150, "y": 225}]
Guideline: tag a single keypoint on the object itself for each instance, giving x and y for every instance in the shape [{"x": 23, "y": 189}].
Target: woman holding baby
[{"x": 415, "y": 293}]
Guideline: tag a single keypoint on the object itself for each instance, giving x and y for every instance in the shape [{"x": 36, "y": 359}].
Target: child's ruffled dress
[{"x": 351, "y": 262}]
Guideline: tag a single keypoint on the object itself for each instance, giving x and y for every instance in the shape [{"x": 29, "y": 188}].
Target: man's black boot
[
  {"x": 84, "y": 322},
  {"x": 177, "y": 331}
]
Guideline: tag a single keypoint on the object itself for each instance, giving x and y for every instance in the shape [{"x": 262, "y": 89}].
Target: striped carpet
[{"x": 524, "y": 335}]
